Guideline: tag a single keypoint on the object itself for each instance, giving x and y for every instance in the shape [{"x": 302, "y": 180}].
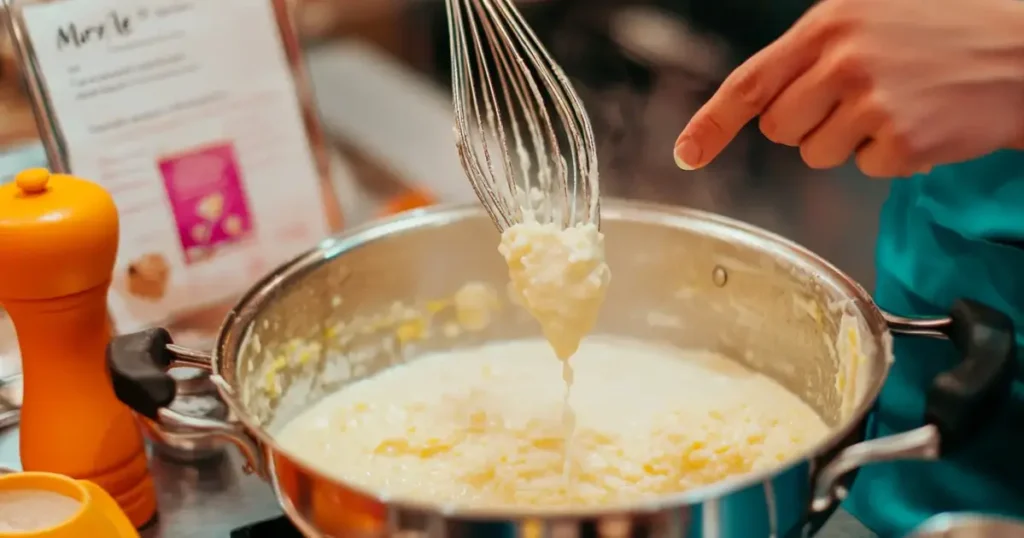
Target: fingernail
[{"x": 687, "y": 154}]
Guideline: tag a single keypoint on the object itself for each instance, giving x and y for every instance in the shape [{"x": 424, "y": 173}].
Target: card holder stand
[{"x": 201, "y": 315}]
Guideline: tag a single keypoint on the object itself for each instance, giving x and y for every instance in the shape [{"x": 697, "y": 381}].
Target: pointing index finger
[{"x": 744, "y": 95}]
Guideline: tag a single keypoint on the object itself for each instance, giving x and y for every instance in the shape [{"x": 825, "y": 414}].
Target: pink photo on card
[{"x": 207, "y": 198}]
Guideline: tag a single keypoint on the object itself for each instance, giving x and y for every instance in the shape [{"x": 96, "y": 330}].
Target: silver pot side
[
  {"x": 340, "y": 312},
  {"x": 684, "y": 277}
]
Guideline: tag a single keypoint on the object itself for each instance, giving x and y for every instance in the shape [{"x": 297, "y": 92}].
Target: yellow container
[{"x": 98, "y": 514}]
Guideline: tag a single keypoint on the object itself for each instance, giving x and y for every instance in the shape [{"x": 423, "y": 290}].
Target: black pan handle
[
  {"x": 138, "y": 364},
  {"x": 960, "y": 400}
]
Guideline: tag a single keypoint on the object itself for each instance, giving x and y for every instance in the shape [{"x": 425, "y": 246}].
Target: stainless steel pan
[{"x": 680, "y": 276}]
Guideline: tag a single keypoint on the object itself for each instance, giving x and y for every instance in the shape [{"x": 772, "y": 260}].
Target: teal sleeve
[{"x": 954, "y": 233}]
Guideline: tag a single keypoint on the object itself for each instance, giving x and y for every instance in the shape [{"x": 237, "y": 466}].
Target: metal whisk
[{"x": 523, "y": 136}]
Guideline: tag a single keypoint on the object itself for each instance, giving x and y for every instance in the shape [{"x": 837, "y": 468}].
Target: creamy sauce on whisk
[{"x": 560, "y": 276}]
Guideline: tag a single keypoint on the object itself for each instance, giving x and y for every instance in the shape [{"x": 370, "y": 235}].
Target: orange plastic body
[
  {"x": 99, "y": 515},
  {"x": 58, "y": 242},
  {"x": 71, "y": 422}
]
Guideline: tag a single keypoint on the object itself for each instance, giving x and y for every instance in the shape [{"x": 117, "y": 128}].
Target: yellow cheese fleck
[
  {"x": 438, "y": 305},
  {"x": 412, "y": 330}
]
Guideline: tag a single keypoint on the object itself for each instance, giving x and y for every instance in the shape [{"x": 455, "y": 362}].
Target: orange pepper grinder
[{"x": 58, "y": 243}]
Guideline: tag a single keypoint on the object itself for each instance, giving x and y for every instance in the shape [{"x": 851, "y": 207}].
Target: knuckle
[
  {"x": 707, "y": 132},
  {"x": 872, "y": 114},
  {"x": 874, "y": 108},
  {"x": 749, "y": 90},
  {"x": 846, "y": 16},
  {"x": 904, "y": 148},
  {"x": 850, "y": 65},
  {"x": 816, "y": 158},
  {"x": 770, "y": 128},
  {"x": 867, "y": 164},
  {"x": 871, "y": 168},
  {"x": 880, "y": 161},
  {"x": 810, "y": 156},
  {"x": 706, "y": 127}
]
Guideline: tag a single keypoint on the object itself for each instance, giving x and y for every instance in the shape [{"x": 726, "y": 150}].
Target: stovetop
[
  {"x": 278, "y": 527},
  {"x": 842, "y": 525}
]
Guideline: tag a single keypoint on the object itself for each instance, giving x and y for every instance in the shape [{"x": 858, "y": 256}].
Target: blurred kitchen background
[
  {"x": 380, "y": 75},
  {"x": 643, "y": 67}
]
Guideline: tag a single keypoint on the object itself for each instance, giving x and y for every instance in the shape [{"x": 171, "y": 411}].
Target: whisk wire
[
  {"x": 462, "y": 87},
  {"x": 556, "y": 82},
  {"x": 510, "y": 114},
  {"x": 502, "y": 65}
]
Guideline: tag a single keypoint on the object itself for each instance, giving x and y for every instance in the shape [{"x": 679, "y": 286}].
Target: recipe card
[{"x": 192, "y": 114}]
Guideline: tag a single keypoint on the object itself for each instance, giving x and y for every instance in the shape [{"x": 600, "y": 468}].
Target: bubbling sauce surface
[{"x": 483, "y": 428}]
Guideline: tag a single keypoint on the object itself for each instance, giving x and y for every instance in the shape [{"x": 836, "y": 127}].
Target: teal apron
[{"x": 956, "y": 232}]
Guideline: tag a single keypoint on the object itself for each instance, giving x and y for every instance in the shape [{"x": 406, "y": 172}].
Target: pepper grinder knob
[{"x": 58, "y": 245}]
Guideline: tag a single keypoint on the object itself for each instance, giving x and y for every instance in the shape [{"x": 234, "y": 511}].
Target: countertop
[{"x": 206, "y": 501}]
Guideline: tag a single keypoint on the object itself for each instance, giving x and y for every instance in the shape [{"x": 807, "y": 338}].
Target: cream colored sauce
[
  {"x": 559, "y": 275},
  {"x": 482, "y": 427},
  {"x": 34, "y": 510}
]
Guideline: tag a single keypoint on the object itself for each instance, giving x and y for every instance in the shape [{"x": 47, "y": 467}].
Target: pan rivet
[{"x": 719, "y": 276}]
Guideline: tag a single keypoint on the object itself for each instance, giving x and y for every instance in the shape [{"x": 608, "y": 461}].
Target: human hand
[{"x": 903, "y": 84}]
